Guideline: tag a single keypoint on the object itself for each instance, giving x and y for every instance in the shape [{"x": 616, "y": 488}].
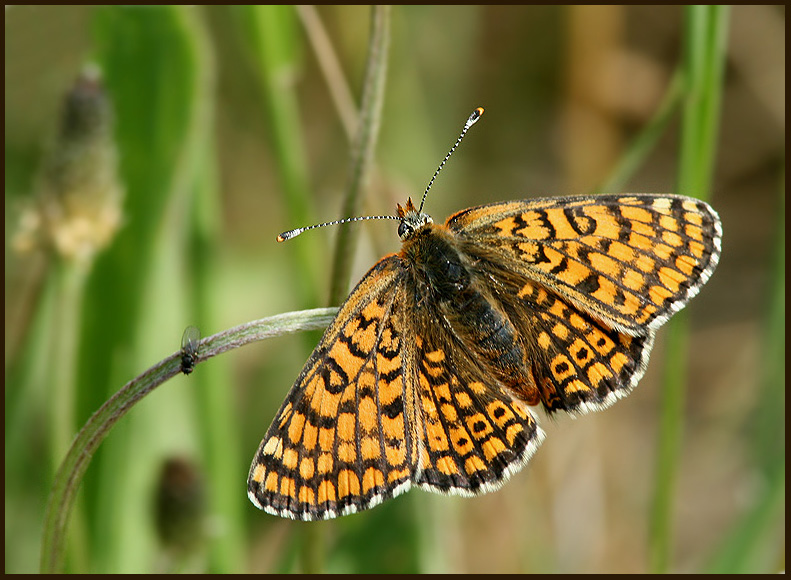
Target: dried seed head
[{"x": 78, "y": 202}]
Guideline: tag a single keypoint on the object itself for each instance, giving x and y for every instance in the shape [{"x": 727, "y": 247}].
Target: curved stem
[{"x": 73, "y": 467}]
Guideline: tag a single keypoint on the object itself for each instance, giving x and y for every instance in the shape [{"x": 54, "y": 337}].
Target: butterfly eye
[{"x": 403, "y": 229}]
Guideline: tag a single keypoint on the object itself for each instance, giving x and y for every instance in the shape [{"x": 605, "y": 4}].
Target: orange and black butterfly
[{"x": 427, "y": 373}]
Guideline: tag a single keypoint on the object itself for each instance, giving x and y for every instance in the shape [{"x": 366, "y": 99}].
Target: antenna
[
  {"x": 476, "y": 114},
  {"x": 295, "y": 232},
  {"x": 473, "y": 118}
]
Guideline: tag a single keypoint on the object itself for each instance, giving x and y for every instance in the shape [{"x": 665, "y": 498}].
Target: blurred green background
[{"x": 229, "y": 131}]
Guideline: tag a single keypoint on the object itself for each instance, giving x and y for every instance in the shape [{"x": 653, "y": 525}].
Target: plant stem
[
  {"x": 71, "y": 471},
  {"x": 363, "y": 149},
  {"x": 704, "y": 57}
]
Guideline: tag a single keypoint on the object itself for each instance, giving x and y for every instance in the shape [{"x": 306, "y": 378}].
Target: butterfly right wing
[
  {"x": 630, "y": 260},
  {"x": 587, "y": 281}
]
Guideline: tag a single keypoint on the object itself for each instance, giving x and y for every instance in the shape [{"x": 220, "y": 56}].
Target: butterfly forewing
[
  {"x": 340, "y": 443},
  {"x": 631, "y": 260}
]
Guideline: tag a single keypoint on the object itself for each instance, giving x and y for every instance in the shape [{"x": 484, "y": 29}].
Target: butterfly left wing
[
  {"x": 341, "y": 442},
  {"x": 386, "y": 401}
]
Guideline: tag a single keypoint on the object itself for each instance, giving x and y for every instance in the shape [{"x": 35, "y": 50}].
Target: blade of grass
[
  {"x": 219, "y": 431},
  {"x": 87, "y": 441},
  {"x": 313, "y": 538},
  {"x": 330, "y": 66},
  {"x": 63, "y": 378},
  {"x": 769, "y": 438},
  {"x": 361, "y": 162},
  {"x": 750, "y": 546},
  {"x": 704, "y": 57},
  {"x": 270, "y": 32},
  {"x": 645, "y": 142},
  {"x": 273, "y": 46},
  {"x": 152, "y": 72},
  {"x": 363, "y": 149}
]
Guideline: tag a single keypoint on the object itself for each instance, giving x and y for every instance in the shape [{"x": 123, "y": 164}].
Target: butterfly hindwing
[
  {"x": 578, "y": 363},
  {"x": 474, "y": 434}
]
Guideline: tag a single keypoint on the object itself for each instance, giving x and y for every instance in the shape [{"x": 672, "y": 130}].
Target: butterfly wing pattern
[
  {"x": 341, "y": 440},
  {"x": 598, "y": 275},
  {"x": 426, "y": 375},
  {"x": 379, "y": 407}
]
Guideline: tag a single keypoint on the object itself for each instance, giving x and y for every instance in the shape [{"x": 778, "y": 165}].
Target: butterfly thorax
[{"x": 450, "y": 295}]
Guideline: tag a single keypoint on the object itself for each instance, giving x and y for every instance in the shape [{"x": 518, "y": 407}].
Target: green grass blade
[
  {"x": 97, "y": 428},
  {"x": 644, "y": 143},
  {"x": 274, "y": 48},
  {"x": 754, "y": 544},
  {"x": 363, "y": 148},
  {"x": 152, "y": 71},
  {"x": 704, "y": 57}
]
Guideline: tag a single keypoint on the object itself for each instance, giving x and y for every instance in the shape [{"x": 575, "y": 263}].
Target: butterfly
[{"x": 427, "y": 374}]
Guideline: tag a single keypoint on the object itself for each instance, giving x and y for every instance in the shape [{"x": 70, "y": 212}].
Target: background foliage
[{"x": 228, "y": 132}]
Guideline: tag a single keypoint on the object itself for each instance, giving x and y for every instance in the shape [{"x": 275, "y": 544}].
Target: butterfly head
[{"x": 412, "y": 219}]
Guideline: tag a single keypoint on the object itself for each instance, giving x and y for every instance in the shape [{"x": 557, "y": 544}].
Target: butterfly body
[
  {"x": 426, "y": 375},
  {"x": 453, "y": 295}
]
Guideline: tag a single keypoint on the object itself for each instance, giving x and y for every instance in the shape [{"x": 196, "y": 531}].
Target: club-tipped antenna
[
  {"x": 476, "y": 114},
  {"x": 295, "y": 232},
  {"x": 473, "y": 118}
]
